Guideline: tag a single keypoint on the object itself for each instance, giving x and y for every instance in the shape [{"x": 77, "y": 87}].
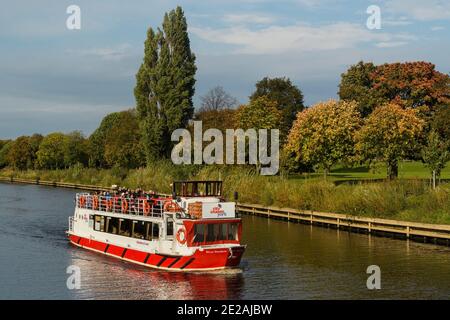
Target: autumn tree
[
  {"x": 260, "y": 113},
  {"x": 389, "y": 134},
  {"x": 410, "y": 85},
  {"x": 217, "y": 99},
  {"x": 324, "y": 134},
  {"x": 288, "y": 98},
  {"x": 20, "y": 154},
  {"x": 165, "y": 84}
]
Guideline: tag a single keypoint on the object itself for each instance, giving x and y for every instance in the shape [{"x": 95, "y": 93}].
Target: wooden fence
[{"x": 439, "y": 234}]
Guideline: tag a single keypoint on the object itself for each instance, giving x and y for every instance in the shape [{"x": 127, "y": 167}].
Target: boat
[{"x": 193, "y": 229}]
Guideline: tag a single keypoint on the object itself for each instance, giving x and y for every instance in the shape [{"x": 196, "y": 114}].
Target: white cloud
[
  {"x": 420, "y": 9},
  {"x": 437, "y": 28},
  {"x": 248, "y": 18},
  {"x": 296, "y": 38},
  {"x": 113, "y": 53}
]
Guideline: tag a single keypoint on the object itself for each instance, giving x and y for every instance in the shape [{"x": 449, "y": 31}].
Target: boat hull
[{"x": 205, "y": 259}]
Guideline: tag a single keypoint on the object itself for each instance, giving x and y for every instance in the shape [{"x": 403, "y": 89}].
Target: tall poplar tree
[{"x": 165, "y": 84}]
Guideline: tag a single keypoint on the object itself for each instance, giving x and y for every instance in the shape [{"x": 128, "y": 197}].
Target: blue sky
[{"x": 55, "y": 79}]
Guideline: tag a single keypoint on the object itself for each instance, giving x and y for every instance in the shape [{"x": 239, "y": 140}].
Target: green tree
[
  {"x": 98, "y": 139},
  {"x": 324, "y": 134},
  {"x": 35, "y": 142},
  {"x": 4, "y": 151},
  {"x": 435, "y": 155},
  {"x": 165, "y": 84},
  {"x": 75, "y": 149},
  {"x": 356, "y": 85},
  {"x": 288, "y": 97},
  {"x": 389, "y": 134},
  {"x": 51, "y": 151},
  {"x": 441, "y": 123},
  {"x": 123, "y": 146}
]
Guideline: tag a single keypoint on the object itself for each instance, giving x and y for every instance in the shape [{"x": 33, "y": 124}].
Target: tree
[
  {"x": 288, "y": 97},
  {"x": 20, "y": 154},
  {"x": 165, "y": 84},
  {"x": 324, "y": 134},
  {"x": 123, "y": 146},
  {"x": 435, "y": 155},
  {"x": 441, "y": 123},
  {"x": 75, "y": 149},
  {"x": 217, "y": 99},
  {"x": 219, "y": 119},
  {"x": 356, "y": 85},
  {"x": 51, "y": 151},
  {"x": 115, "y": 130},
  {"x": 389, "y": 134},
  {"x": 410, "y": 85},
  {"x": 5, "y": 146},
  {"x": 35, "y": 142},
  {"x": 260, "y": 113}
]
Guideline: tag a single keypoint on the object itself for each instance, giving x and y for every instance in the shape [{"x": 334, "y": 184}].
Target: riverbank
[{"x": 404, "y": 199}]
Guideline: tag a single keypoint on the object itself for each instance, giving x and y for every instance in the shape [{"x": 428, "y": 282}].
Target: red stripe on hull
[
  {"x": 115, "y": 250},
  {"x": 200, "y": 260}
]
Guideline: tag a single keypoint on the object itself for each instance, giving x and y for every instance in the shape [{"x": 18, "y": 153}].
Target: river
[{"x": 283, "y": 261}]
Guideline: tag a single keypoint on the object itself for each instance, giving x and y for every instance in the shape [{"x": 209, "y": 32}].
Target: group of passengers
[{"x": 124, "y": 200}]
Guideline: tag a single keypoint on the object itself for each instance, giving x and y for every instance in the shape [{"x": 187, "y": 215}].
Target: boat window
[
  {"x": 99, "y": 224},
  {"x": 169, "y": 227},
  {"x": 210, "y": 233},
  {"x": 139, "y": 229},
  {"x": 125, "y": 227},
  {"x": 155, "y": 233},
  {"x": 199, "y": 233},
  {"x": 113, "y": 226}
]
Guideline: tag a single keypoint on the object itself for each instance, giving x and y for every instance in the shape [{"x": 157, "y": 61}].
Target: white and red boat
[{"x": 192, "y": 230}]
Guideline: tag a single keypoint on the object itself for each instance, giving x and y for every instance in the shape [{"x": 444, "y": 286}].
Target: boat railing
[
  {"x": 71, "y": 224},
  {"x": 121, "y": 205}
]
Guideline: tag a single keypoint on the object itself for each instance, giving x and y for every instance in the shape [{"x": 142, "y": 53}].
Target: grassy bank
[{"x": 404, "y": 199}]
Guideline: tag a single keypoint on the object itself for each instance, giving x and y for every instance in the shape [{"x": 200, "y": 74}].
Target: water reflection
[{"x": 105, "y": 277}]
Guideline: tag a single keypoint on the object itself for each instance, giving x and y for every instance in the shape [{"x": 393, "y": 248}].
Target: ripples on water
[{"x": 283, "y": 261}]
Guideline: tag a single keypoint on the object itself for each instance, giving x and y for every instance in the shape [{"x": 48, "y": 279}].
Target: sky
[{"x": 56, "y": 79}]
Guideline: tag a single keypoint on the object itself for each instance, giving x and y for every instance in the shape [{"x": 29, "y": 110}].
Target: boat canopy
[{"x": 211, "y": 188}]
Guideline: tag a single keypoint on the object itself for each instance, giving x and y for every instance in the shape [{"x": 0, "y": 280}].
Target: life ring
[
  {"x": 95, "y": 202},
  {"x": 170, "y": 206},
  {"x": 146, "y": 207},
  {"x": 109, "y": 204},
  {"x": 82, "y": 202},
  {"x": 124, "y": 206},
  {"x": 181, "y": 236}
]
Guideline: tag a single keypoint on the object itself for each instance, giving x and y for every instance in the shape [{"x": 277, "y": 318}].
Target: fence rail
[{"x": 409, "y": 230}]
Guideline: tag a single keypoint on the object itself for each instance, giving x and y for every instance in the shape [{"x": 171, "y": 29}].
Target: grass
[
  {"x": 407, "y": 170},
  {"x": 409, "y": 198}
]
